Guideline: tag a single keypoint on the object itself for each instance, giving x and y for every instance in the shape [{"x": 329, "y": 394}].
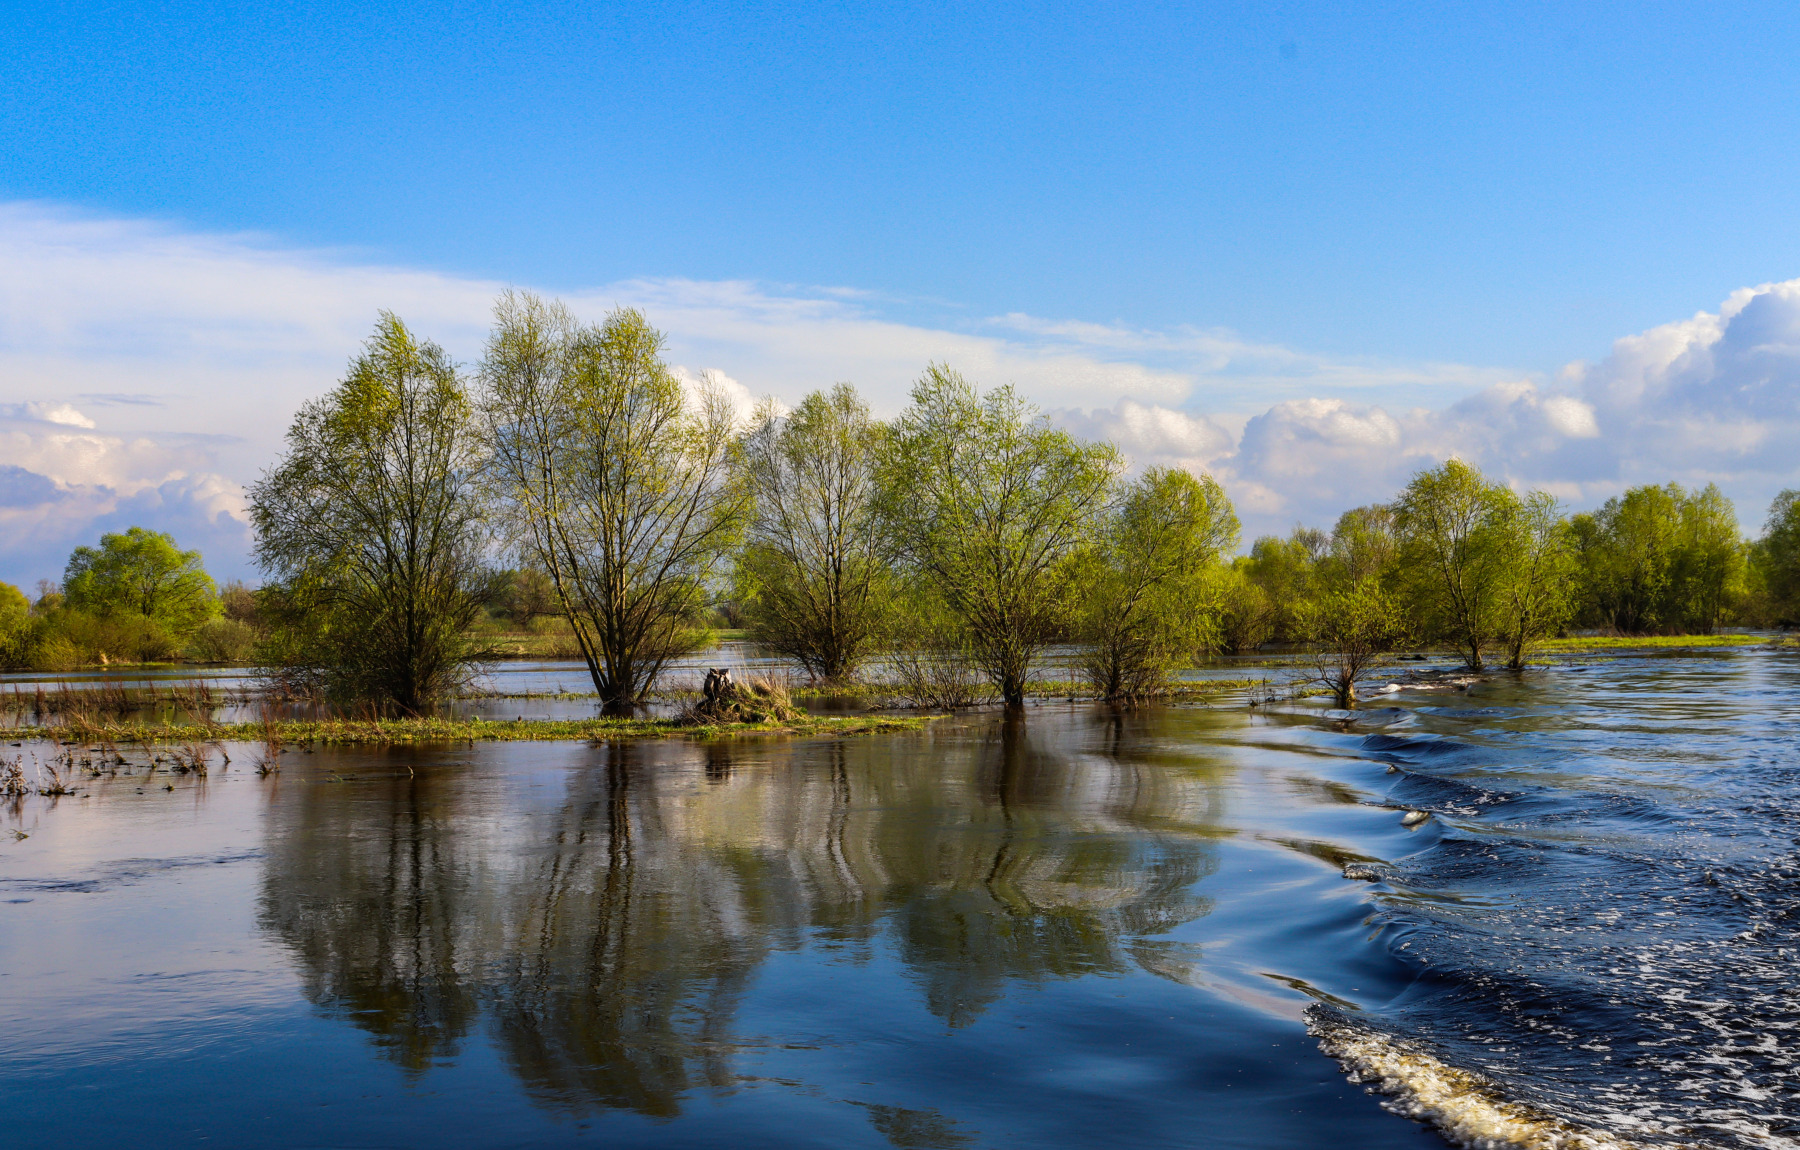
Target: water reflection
[{"x": 604, "y": 939}]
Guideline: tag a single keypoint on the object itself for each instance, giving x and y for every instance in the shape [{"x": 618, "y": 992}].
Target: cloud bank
[{"x": 148, "y": 372}]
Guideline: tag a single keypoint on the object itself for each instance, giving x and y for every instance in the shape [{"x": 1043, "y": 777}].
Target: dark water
[{"x": 1088, "y": 930}]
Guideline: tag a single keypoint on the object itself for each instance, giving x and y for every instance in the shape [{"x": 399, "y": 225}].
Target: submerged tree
[
  {"x": 1149, "y": 591},
  {"x": 1452, "y": 524},
  {"x": 812, "y": 577},
  {"x": 1351, "y": 627},
  {"x": 371, "y": 527},
  {"x": 1539, "y": 569},
  {"x": 989, "y": 503},
  {"x": 611, "y": 481}
]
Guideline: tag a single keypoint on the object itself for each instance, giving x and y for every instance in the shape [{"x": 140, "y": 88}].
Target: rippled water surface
[{"x": 1088, "y": 929}]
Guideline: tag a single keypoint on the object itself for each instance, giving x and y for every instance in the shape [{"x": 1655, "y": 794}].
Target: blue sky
[{"x": 1440, "y": 198}]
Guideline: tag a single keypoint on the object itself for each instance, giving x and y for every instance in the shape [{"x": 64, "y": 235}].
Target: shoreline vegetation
[
  {"x": 573, "y": 497},
  {"x": 344, "y": 732}
]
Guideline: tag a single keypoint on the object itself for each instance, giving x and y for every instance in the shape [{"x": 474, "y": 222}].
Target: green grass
[
  {"x": 1647, "y": 642},
  {"x": 431, "y": 730}
]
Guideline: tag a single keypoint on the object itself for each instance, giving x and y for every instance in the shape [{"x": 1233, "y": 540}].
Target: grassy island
[{"x": 443, "y": 730}]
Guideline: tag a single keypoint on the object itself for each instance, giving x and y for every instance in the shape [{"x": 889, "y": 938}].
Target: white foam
[{"x": 1463, "y": 1106}]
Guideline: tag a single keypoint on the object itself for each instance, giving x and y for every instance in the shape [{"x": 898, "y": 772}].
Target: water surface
[{"x": 1088, "y": 929}]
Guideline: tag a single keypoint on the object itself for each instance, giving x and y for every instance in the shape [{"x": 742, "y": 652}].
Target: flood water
[{"x": 1086, "y": 929}]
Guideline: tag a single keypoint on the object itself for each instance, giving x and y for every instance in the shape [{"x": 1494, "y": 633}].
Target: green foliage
[
  {"x": 225, "y": 640},
  {"x": 1660, "y": 560},
  {"x": 604, "y": 476},
  {"x": 239, "y": 602},
  {"x": 1538, "y": 575},
  {"x": 929, "y": 649},
  {"x": 141, "y": 573},
  {"x": 813, "y": 581},
  {"x": 1149, "y": 591},
  {"x": 989, "y": 504},
  {"x": 521, "y": 596},
  {"x": 371, "y": 526},
  {"x": 1245, "y": 614},
  {"x": 1455, "y": 531},
  {"x": 1351, "y": 626},
  {"x": 1363, "y": 546},
  {"x": 17, "y": 627},
  {"x": 1778, "y": 560},
  {"x": 1284, "y": 569}
]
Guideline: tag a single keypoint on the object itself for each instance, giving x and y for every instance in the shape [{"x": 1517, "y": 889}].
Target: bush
[{"x": 223, "y": 641}]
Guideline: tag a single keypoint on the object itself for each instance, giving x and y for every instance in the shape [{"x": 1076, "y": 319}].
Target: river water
[{"x": 1165, "y": 927}]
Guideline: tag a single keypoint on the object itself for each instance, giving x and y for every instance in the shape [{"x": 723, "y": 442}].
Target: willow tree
[
  {"x": 1538, "y": 578},
  {"x": 144, "y": 573},
  {"x": 612, "y": 480},
  {"x": 371, "y": 527},
  {"x": 1661, "y": 560},
  {"x": 989, "y": 504},
  {"x": 1150, "y": 590},
  {"x": 812, "y": 575},
  {"x": 1351, "y": 627},
  {"x": 1454, "y": 533}
]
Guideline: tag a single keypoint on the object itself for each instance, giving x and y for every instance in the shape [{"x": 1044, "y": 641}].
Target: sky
[{"x": 1308, "y": 248}]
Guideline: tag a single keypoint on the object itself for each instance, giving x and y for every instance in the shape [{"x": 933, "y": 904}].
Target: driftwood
[
  {"x": 723, "y": 700},
  {"x": 718, "y": 688}
]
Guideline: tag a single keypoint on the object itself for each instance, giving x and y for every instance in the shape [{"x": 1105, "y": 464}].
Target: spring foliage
[
  {"x": 371, "y": 528},
  {"x": 988, "y": 505},
  {"x": 813, "y": 578},
  {"x": 608, "y": 477}
]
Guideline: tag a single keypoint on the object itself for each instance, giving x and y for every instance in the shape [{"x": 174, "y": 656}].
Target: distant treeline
[{"x": 962, "y": 538}]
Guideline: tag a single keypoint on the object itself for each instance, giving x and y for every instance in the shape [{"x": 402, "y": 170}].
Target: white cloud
[
  {"x": 61, "y": 413},
  {"x": 1714, "y": 398},
  {"x": 147, "y": 369}
]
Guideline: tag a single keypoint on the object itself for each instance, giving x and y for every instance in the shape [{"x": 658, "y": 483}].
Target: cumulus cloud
[
  {"x": 1149, "y": 435},
  {"x": 1714, "y": 398},
  {"x": 64, "y": 484}
]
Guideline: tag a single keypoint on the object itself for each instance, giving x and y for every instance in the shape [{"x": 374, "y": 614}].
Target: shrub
[{"x": 223, "y": 641}]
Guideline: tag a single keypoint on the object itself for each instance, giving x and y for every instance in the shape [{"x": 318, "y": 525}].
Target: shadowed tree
[
  {"x": 988, "y": 503},
  {"x": 612, "y": 481},
  {"x": 372, "y": 529}
]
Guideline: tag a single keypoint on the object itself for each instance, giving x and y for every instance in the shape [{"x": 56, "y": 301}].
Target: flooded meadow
[{"x": 1532, "y": 908}]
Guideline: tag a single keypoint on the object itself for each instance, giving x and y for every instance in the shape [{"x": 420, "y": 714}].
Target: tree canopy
[
  {"x": 371, "y": 526},
  {"x": 987, "y": 502},
  {"x": 144, "y": 573}
]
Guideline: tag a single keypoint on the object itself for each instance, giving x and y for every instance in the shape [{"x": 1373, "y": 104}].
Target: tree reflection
[{"x": 607, "y": 939}]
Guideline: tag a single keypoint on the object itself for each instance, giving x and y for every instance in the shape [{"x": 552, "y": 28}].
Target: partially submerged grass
[{"x": 441, "y": 730}]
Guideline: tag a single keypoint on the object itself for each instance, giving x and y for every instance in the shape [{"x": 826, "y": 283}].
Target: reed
[
  {"x": 268, "y": 760},
  {"x": 12, "y": 778}
]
